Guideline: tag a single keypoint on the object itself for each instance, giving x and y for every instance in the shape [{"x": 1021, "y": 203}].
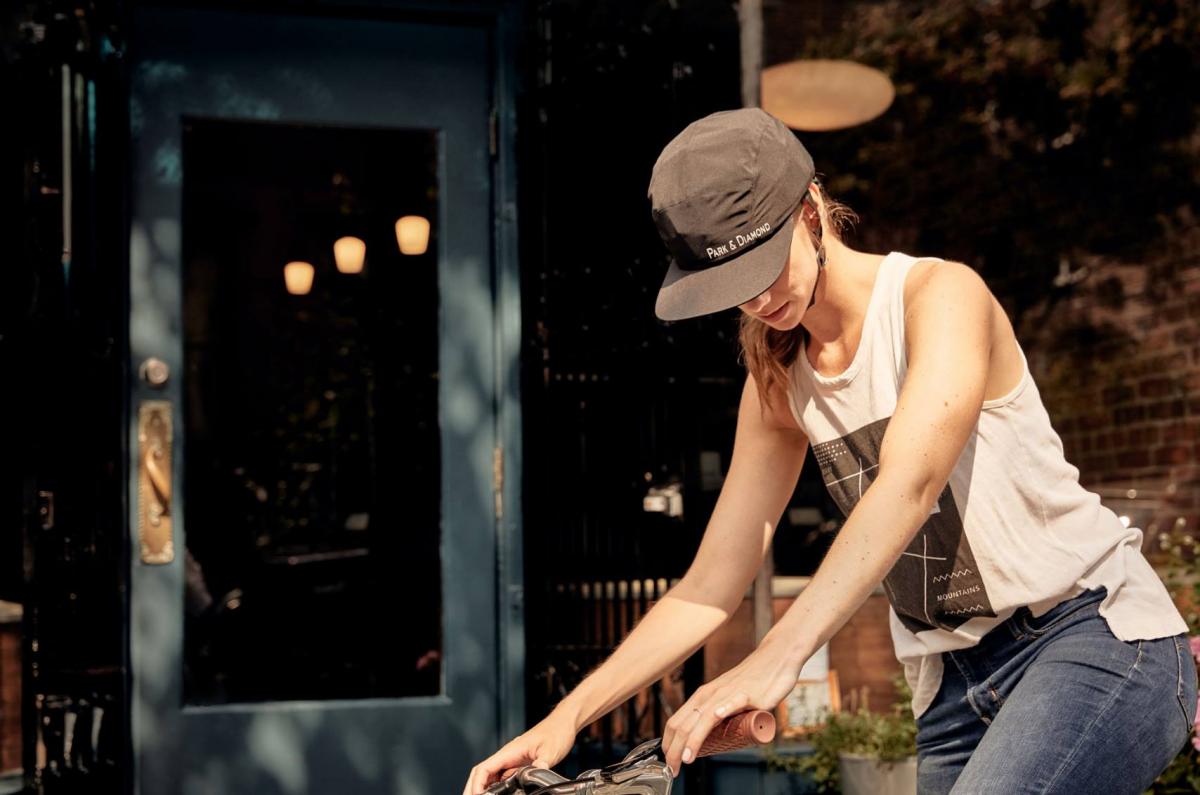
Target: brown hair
[{"x": 768, "y": 352}]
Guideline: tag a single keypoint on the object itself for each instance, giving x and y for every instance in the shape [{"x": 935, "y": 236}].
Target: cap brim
[{"x": 686, "y": 294}]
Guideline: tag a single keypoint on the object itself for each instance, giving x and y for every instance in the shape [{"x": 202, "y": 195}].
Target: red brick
[
  {"x": 1156, "y": 387},
  {"x": 1136, "y": 457},
  {"x": 1127, "y": 415},
  {"x": 1149, "y": 434},
  {"x": 1169, "y": 454},
  {"x": 1188, "y": 430},
  {"x": 1150, "y": 362},
  {"x": 1118, "y": 394},
  {"x": 1174, "y": 312},
  {"x": 1157, "y": 339},
  {"x": 1093, "y": 420},
  {"x": 1185, "y": 334},
  {"x": 1166, "y": 408},
  {"x": 1143, "y": 323}
]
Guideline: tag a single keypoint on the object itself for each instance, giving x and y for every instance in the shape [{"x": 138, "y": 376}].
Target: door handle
[{"x": 154, "y": 482}]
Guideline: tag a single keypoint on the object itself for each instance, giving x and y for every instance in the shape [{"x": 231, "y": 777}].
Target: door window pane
[{"x": 312, "y": 488}]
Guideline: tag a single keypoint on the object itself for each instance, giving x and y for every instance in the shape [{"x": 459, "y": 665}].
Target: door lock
[{"x": 154, "y": 371}]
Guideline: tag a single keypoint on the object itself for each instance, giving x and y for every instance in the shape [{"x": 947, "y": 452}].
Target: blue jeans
[{"x": 1057, "y": 704}]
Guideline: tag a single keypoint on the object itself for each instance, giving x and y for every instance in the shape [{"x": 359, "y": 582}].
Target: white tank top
[{"x": 1012, "y": 527}]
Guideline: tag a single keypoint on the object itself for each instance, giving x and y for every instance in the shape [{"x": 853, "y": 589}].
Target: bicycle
[{"x": 644, "y": 770}]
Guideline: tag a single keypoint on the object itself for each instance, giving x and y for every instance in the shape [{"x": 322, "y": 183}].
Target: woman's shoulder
[{"x": 952, "y": 274}]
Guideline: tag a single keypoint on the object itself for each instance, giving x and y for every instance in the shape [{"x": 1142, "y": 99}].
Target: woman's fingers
[
  {"x": 730, "y": 704},
  {"x": 720, "y": 708},
  {"x": 686, "y": 742},
  {"x": 476, "y": 782},
  {"x": 678, "y": 727},
  {"x": 490, "y": 769},
  {"x": 541, "y": 746}
]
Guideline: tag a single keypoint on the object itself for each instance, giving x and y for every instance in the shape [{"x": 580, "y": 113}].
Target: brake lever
[
  {"x": 526, "y": 779},
  {"x": 641, "y": 772}
]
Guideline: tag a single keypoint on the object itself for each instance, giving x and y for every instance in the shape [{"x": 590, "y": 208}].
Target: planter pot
[{"x": 866, "y": 775}]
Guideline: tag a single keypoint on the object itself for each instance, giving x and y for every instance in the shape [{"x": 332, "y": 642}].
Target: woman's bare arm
[
  {"x": 768, "y": 453},
  {"x": 947, "y": 326}
]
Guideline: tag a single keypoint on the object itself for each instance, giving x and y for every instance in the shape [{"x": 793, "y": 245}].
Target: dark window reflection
[{"x": 312, "y": 472}]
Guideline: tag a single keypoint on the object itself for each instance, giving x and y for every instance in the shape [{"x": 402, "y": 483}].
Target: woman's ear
[
  {"x": 817, "y": 198},
  {"x": 817, "y": 192},
  {"x": 810, "y": 216}
]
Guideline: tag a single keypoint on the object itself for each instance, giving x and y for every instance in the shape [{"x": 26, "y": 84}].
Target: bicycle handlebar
[
  {"x": 755, "y": 727},
  {"x": 737, "y": 731}
]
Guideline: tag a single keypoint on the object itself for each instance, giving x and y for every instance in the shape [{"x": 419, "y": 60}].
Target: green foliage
[
  {"x": 1021, "y": 132},
  {"x": 1182, "y": 775},
  {"x": 1177, "y": 554},
  {"x": 887, "y": 737}
]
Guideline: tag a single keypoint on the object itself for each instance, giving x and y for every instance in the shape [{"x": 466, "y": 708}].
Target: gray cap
[{"x": 722, "y": 194}]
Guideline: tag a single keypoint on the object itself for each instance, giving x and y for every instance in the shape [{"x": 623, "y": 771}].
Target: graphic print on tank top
[{"x": 935, "y": 583}]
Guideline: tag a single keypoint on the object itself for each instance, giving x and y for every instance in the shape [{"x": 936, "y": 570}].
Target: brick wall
[
  {"x": 10, "y": 696},
  {"x": 1117, "y": 362}
]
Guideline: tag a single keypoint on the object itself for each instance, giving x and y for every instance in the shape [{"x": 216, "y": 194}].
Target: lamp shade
[
  {"x": 298, "y": 276},
  {"x": 349, "y": 253},
  {"x": 412, "y": 233},
  {"x": 820, "y": 95}
]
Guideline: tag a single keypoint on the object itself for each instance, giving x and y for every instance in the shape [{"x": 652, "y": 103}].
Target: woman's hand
[
  {"x": 760, "y": 681},
  {"x": 544, "y": 745}
]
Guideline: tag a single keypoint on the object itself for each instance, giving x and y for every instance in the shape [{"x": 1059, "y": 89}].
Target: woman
[{"x": 1044, "y": 653}]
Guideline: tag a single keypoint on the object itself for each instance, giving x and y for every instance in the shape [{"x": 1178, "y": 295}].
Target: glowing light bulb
[
  {"x": 298, "y": 276},
  {"x": 412, "y": 233},
  {"x": 349, "y": 253}
]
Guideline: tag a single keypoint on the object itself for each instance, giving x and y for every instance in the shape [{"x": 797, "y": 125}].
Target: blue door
[{"x": 317, "y": 418}]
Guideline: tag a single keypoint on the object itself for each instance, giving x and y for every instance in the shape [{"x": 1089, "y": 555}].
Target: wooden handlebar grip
[{"x": 739, "y": 731}]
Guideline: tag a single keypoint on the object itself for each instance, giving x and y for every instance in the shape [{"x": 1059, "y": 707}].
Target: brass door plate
[{"x": 154, "y": 482}]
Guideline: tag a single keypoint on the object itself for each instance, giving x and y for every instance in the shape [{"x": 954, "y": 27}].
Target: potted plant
[{"x": 860, "y": 752}]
